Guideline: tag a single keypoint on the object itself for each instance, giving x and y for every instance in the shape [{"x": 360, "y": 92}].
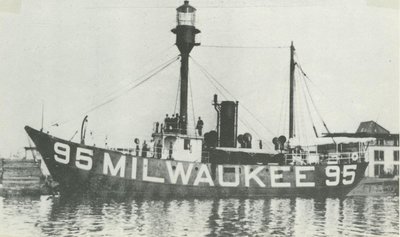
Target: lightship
[{"x": 187, "y": 164}]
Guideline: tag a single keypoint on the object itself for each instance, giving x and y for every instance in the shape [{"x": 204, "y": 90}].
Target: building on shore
[
  {"x": 383, "y": 152},
  {"x": 380, "y": 146}
]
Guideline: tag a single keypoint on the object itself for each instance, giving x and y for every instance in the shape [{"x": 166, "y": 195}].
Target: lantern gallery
[{"x": 187, "y": 173}]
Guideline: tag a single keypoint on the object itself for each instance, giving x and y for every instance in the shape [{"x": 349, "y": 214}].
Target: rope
[
  {"x": 133, "y": 87},
  {"x": 315, "y": 107},
  {"x": 282, "y": 122},
  {"x": 159, "y": 69},
  {"x": 312, "y": 99},
  {"x": 308, "y": 107},
  {"x": 244, "y": 47},
  {"x": 177, "y": 95},
  {"x": 241, "y": 104},
  {"x": 191, "y": 97},
  {"x": 244, "y": 122},
  {"x": 121, "y": 82},
  {"x": 206, "y": 6},
  {"x": 303, "y": 115}
]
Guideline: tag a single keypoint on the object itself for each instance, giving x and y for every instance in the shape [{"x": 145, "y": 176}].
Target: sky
[{"x": 71, "y": 56}]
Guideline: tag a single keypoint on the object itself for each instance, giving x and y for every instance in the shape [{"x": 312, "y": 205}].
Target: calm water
[{"x": 44, "y": 216}]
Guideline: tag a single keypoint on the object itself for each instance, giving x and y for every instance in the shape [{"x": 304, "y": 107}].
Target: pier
[{"x": 20, "y": 176}]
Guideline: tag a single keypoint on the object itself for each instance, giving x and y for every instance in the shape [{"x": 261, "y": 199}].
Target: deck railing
[
  {"x": 330, "y": 158},
  {"x": 303, "y": 158}
]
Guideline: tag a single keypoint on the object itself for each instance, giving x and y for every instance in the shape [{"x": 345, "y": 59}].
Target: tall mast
[
  {"x": 185, "y": 41},
  {"x": 291, "y": 98}
]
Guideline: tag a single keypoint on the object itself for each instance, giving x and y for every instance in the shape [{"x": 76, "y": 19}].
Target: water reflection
[{"x": 61, "y": 216}]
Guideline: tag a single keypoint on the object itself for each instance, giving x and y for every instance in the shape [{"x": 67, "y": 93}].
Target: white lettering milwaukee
[
  {"x": 179, "y": 172},
  {"x": 275, "y": 176},
  {"x": 200, "y": 179},
  {"x": 252, "y": 175},
  {"x": 300, "y": 176},
  {"x": 134, "y": 167},
  {"x": 146, "y": 177},
  {"x": 108, "y": 166},
  {"x": 221, "y": 176}
]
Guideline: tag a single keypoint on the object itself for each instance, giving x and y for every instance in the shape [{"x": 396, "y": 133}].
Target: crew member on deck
[
  {"x": 137, "y": 149},
  {"x": 144, "y": 149},
  {"x": 199, "y": 126},
  {"x": 167, "y": 121},
  {"x": 173, "y": 123}
]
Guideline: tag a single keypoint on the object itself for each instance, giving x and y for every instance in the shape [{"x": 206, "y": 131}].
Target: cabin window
[
  {"x": 396, "y": 155},
  {"x": 379, "y": 155},
  {"x": 186, "y": 144},
  {"x": 379, "y": 170},
  {"x": 396, "y": 170}
]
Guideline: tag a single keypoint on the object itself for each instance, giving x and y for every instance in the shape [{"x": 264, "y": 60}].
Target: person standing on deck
[
  {"x": 172, "y": 123},
  {"x": 199, "y": 126},
  {"x": 137, "y": 149},
  {"x": 167, "y": 122},
  {"x": 144, "y": 149}
]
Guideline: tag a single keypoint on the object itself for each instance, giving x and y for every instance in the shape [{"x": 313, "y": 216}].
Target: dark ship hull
[{"x": 85, "y": 169}]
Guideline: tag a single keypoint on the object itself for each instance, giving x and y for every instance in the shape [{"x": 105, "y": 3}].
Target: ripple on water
[{"x": 370, "y": 216}]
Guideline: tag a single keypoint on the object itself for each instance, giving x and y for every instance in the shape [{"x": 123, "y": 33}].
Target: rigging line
[
  {"x": 243, "y": 47},
  {"x": 115, "y": 86},
  {"x": 283, "y": 111},
  {"x": 301, "y": 127},
  {"x": 177, "y": 94},
  {"x": 314, "y": 105},
  {"x": 307, "y": 105},
  {"x": 133, "y": 87},
  {"x": 241, "y": 104},
  {"x": 334, "y": 104},
  {"x": 140, "y": 77},
  {"x": 243, "y": 121},
  {"x": 191, "y": 97},
  {"x": 301, "y": 70},
  {"x": 246, "y": 124},
  {"x": 304, "y": 75},
  {"x": 309, "y": 94},
  {"x": 225, "y": 97},
  {"x": 130, "y": 88},
  {"x": 303, "y": 119},
  {"x": 205, "y": 6}
]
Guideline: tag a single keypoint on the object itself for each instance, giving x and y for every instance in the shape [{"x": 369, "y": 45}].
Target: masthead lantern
[
  {"x": 185, "y": 29},
  {"x": 186, "y": 15}
]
